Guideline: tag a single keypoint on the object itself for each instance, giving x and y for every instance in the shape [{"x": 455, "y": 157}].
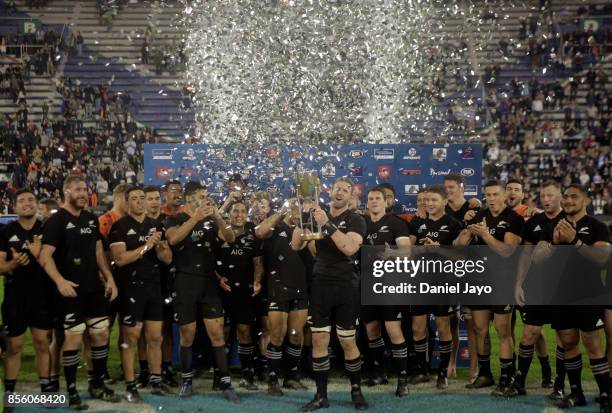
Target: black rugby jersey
[
  {"x": 195, "y": 253},
  {"x": 74, "y": 239},
  {"x": 235, "y": 260},
  {"x": 135, "y": 234},
  {"x": 13, "y": 235},
  {"x": 331, "y": 264}
]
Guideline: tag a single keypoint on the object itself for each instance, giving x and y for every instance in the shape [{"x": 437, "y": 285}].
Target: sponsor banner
[
  {"x": 477, "y": 275},
  {"x": 272, "y": 168}
]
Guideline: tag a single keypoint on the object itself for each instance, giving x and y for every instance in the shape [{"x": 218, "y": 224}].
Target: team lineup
[{"x": 247, "y": 269}]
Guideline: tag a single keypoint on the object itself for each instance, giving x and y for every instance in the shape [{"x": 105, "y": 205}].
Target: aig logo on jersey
[{"x": 237, "y": 251}]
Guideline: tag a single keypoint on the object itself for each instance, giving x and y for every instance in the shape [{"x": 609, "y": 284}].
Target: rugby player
[
  {"x": 240, "y": 272},
  {"x": 438, "y": 228},
  {"x": 501, "y": 229},
  {"x": 73, "y": 256},
  {"x": 192, "y": 235},
  {"x": 535, "y": 316},
  {"x": 336, "y": 293},
  {"x": 27, "y": 291},
  {"x": 138, "y": 249},
  {"x": 384, "y": 228},
  {"x": 153, "y": 211},
  {"x": 591, "y": 238},
  {"x": 287, "y": 294}
]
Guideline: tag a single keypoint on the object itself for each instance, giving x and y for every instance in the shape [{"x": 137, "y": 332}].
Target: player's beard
[{"x": 74, "y": 203}]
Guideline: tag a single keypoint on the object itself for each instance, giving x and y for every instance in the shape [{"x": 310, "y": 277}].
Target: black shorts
[
  {"x": 24, "y": 307},
  {"x": 286, "y": 299},
  {"x": 77, "y": 310},
  {"x": 582, "y": 317},
  {"x": 240, "y": 306},
  {"x": 436, "y": 310},
  {"x": 197, "y": 297},
  {"x": 369, "y": 313},
  {"x": 537, "y": 315},
  {"x": 495, "y": 309},
  {"x": 140, "y": 301},
  {"x": 337, "y": 300}
]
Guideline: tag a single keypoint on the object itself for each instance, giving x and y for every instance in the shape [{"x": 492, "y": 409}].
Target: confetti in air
[{"x": 329, "y": 71}]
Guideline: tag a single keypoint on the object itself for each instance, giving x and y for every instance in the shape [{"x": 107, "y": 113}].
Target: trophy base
[{"x": 313, "y": 236}]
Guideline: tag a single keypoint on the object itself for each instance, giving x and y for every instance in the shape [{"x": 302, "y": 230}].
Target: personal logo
[
  {"x": 384, "y": 154},
  {"x": 384, "y": 228},
  {"x": 410, "y": 171},
  {"x": 471, "y": 190},
  {"x": 468, "y": 172},
  {"x": 70, "y": 226},
  {"x": 356, "y": 153},
  {"x": 444, "y": 228},
  {"x": 76, "y": 261},
  {"x": 439, "y": 154},
  {"x": 328, "y": 170},
  {"x": 14, "y": 238},
  {"x": 383, "y": 171},
  {"x": 502, "y": 224},
  {"x": 439, "y": 172},
  {"x": 467, "y": 153},
  {"x": 163, "y": 172},
  {"x": 584, "y": 231},
  {"x": 342, "y": 225},
  {"x": 131, "y": 232},
  {"x": 162, "y": 154},
  {"x": 412, "y": 155},
  {"x": 189, "y": 154},
  {"x": 411, "y": 189},
  {"x": 355, "y": 171}
]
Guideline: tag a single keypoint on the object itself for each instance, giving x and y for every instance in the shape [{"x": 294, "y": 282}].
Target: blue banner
[{"x": 272, "y": 167}]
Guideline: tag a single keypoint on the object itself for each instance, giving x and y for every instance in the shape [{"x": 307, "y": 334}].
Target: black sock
[
  {"x": 130, "y": 385},
  {"x": 45, "y": 384},
  {"x": 573, "y": 367},
  {"x": 166, "y": 367},
  {"x": 54, "y": 382},
  {"x": 70, "y": 360},
  {"x": 245, "y": 354},
  {"x": 420, "y": 347},
  {"x": 99, "y": 355},
  {"x": 274, "y": 355},
  {"x": 376, "y": 351},
  {"x": 524, "y": 361},
  {"x": 400, "y": 356},
  {"x": 294, "y": 354},
  {"x": 320, "y": 370},
  {"x": 90, "y": 376},
  {"x": 155, "y": 379},
  {"x": 306, "y": 361},
  {"x": 484, "y": 365},
  {"x": 505, "y": 365},
  {"x": 222, "y": 367},
  {"x": 446, "y": 347},
  {"x": 9, "y": 385},
  {"x": 186, "y": 360},
  {"x": 353, "y": 369},
  {"x": 144, "y": 366},
  {"x": 601, "y": 372},
  {"x": 560, "y": 367},
  {"x": 546, "y": 370}
]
